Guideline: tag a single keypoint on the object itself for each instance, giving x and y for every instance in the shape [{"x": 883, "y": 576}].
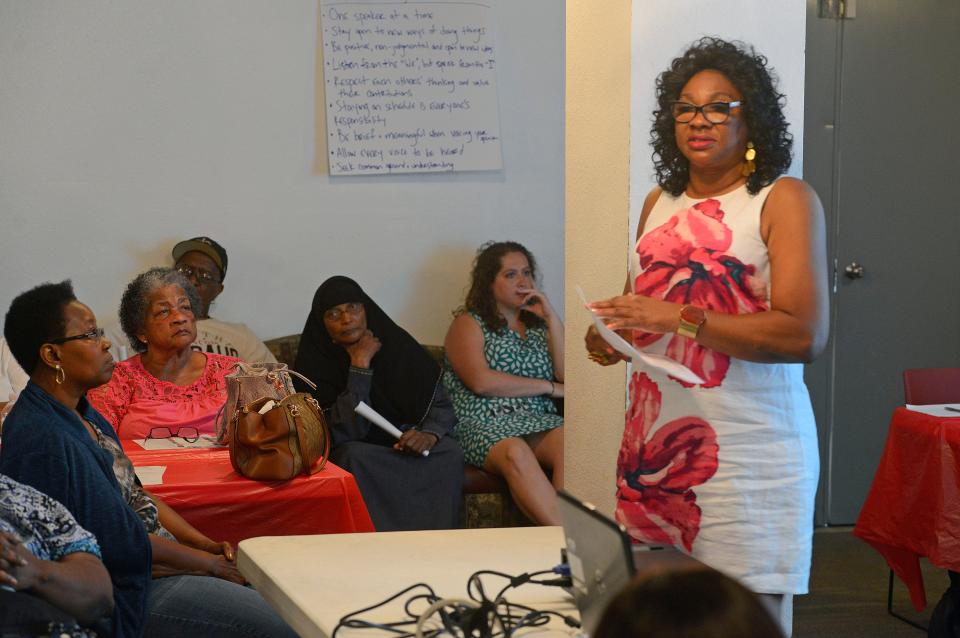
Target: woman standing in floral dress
[{"x": 729, "y": 278}]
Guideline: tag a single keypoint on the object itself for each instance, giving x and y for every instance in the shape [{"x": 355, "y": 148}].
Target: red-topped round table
[
  {"x": 913, "y": 507},
  {"x": 201, "y": 485}
]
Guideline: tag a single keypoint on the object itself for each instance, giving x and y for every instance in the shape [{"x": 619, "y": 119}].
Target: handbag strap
[
  {"x": 223, "y": 427},
  {"x": 242, "y": 368},
  {"x": 301, "y": 437},
  {"x": 303, "y": 445},
  {"x": 303, "y": 378},
  {"x": 253, "y": 370}
]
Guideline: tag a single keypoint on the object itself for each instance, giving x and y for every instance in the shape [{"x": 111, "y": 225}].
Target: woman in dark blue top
[
  {"x": 49, "y": 443},
  {"x": 56, "y": 442}
]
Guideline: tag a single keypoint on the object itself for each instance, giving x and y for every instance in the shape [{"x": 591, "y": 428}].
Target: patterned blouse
[
  {"x": 45, "y": 526},
  {"x": 135, "y": 401},
  {"x": 138, "y": 500},
  {"x": 48, "y": 531}
]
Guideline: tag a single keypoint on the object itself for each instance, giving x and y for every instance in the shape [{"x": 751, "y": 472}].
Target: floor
[{"x": 848, "y": 592}]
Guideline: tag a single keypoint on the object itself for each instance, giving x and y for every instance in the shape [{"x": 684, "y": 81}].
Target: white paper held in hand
[
  {"x": 374, "y": 417},
  {"x": 668, "y": 365}
]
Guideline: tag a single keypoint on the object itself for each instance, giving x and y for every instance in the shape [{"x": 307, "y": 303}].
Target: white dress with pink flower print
[{"x": 728, "y": 469}]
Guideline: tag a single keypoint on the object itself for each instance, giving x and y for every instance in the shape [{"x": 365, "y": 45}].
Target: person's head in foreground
[
  {"x": 686, "y": 603},
  {"x": 717, "y": 105},
  {"x": 204, "y": 263}
]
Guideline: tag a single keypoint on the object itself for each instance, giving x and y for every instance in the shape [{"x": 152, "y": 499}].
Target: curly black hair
[
  {"x": 480, "y": 296},
  {"x": 35, "y": 318},
  {"x": 135, "y": 301},
  {"x": 762, "y": 110}
]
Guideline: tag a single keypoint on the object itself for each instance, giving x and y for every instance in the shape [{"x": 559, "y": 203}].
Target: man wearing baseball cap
[{"x": 204, "y": 262}]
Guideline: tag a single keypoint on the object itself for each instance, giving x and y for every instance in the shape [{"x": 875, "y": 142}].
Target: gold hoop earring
[
  {"x": 749, "y": 168},
  {"x": 61, "y": 375}
]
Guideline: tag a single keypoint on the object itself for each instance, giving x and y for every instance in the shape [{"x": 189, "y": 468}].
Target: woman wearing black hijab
[{"x": 354, "y": 352}]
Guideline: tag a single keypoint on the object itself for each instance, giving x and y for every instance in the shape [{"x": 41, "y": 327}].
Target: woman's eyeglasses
[
  {"x": 202, "y": 276},
  {"x": 188, "y": 434},
  {"x": 713, "y": 112},
  {"x": 352, "y": 308},
  {"x": 94, "y": 335}
]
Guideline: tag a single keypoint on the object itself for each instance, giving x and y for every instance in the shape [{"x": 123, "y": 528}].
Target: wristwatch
[{"x": 691, "y": 320}]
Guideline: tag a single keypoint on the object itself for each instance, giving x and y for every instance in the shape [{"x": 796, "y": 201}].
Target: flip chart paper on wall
[
  {"x": 668, "y": 365},
  {"x": 410, "y": 87}
]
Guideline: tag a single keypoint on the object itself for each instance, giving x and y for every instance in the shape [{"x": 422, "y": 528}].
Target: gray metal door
[{"x": 882, "y": 148}]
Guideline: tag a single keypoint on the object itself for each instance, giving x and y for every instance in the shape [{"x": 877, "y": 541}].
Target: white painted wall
[
  {"x": 597, "y": 194},
  {"x": 660, "y": 30},
  {"x": 125, "y": 126}
]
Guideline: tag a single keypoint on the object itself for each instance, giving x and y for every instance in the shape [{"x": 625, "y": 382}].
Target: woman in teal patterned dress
[{"x": 504, "y": 363}]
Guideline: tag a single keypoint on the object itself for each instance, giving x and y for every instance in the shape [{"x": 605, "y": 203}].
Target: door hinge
[
  {"x": 836, "y": 275},
  {"x": 837, "y": 9}
]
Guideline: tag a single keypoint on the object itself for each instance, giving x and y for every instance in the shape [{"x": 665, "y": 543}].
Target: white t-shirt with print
[
  {"x": 232, "y": 340},
  {"x": 213, "y": 335}
]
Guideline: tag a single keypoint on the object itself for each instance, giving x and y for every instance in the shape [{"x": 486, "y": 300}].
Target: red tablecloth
[
  {"x": 913, "y": 508},
  {"x": 201, "y": 486}
]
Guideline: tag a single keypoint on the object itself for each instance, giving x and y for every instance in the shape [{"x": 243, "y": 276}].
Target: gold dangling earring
[
  {"x": 61, "y": 375},
  {"x": 749, "y": 168}
]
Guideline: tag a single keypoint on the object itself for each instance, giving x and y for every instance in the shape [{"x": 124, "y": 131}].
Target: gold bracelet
[{"x": 553, "y": 389}]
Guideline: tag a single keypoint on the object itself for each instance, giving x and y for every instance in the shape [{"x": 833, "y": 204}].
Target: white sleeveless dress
[{"x": 728, "y": 469}]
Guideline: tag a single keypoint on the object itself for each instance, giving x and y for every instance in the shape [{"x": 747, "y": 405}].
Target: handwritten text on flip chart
[{"x": 410, "y": 87}]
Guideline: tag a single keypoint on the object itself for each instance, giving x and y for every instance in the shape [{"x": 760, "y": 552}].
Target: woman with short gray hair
[
  {"x": 168, "y": 389},
  {"x": 135, "y": 303}
]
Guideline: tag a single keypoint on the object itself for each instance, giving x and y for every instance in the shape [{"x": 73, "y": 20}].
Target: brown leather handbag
[
  {"x": 288, "y": 439},
  {"x": 248, "y": 382}
]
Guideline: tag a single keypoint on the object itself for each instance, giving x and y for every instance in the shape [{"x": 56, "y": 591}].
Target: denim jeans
[{"x": 181, "y": 606}]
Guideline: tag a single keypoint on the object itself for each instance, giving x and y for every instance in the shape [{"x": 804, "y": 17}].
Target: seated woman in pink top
[{"x": 167, "y": 389}]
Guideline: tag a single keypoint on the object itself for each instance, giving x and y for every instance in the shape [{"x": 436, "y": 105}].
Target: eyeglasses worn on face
[
  {"x": 188, "y": 434},
  {"x": 713, "y": 112},
  {"x": 203, "y": 276},
  {"x": 94, "y": 335},
  {"x": 335, "y": 314}
]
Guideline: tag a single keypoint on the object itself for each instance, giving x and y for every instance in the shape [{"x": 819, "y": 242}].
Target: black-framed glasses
[
  {"x": 187, "y": 433},
  {"x": 352, "y": 308},
  {"x": 94, "y": 335},
  {"x": 203, "y": 276},
  {"x": 713, "y": 112}
]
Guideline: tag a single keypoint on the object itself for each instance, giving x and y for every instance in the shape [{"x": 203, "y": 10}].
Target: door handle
[{"x": 854, "y": 271}]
